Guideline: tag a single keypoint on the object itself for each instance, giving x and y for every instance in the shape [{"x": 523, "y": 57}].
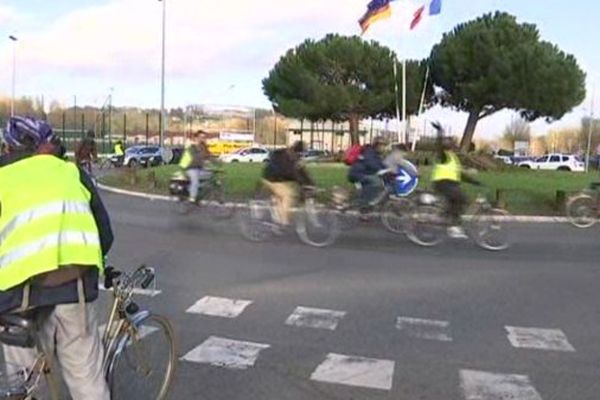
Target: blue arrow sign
[{"x": 406, "y": 182}]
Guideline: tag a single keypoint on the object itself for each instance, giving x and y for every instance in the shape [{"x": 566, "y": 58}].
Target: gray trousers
[{"x": 77, "y": 348}]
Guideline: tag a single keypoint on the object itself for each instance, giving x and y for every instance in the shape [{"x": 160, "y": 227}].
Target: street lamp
[
  {"x": 14, "y": 74},
  {"x": 162, "y": 76}
]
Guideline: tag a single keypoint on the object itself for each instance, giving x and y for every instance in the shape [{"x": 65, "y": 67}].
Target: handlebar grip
[
  {"x": 148, "y": 279},
  {"x": 110, "y": 273}
]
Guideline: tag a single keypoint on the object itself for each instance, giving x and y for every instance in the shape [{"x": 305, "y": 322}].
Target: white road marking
[
  {"x": 226, "y": 353},
  {"x": 540, "y": 339},
  {"x": 425, "y": 328},
  {"x": 478, "y": 385},
  {"x": 139, "y": 291},
  {"x": 219, "y": 307},
  {"x": 355, "y": 371},
  {"x": 315, "y": 318}
]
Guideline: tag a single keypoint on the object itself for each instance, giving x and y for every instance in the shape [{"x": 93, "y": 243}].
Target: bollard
[
  {"x": 152, "y": 180},
  {"x": 561, "y": 197},
  {"x": 501, "y": 198}
]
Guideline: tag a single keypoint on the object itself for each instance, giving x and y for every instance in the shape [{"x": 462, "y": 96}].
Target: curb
[{"x": 539, "y": 219}]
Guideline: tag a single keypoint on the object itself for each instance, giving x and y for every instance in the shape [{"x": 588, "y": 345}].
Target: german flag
[{"x": 376, "y": 10}]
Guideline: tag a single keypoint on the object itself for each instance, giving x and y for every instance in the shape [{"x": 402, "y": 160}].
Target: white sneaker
[{"x": 457, "y": 232}]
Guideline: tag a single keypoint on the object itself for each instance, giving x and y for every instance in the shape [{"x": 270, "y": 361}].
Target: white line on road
[
  {"x": 355, "y": 371},
  {"x": 315, "y": 318},
  {"x": 540, "y": 339},
  {"x": 219, "y": 307},
  {"x": 478, "y": 385},
  {"x": 425, "y": 328},
  {"x": 226, "y": 353}
]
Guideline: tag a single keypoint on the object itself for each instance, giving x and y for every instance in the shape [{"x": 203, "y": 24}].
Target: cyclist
[
  {"x": 282, "y": 175},
  {"x": 86, "y": 152},
  {"x": 366, "y": 171},
  {"x": 54, "y": 231},
  {"x": 119, "y": 152},
  {"x": 192, "y": 162},
  {"x": 447, "y": 176}
]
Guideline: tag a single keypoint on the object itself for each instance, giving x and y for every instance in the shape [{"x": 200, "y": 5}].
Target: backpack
[{"x": 352, "y": 154}]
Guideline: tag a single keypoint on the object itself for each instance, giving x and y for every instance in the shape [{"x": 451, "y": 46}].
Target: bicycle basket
[{"x": 13, "y": 382}]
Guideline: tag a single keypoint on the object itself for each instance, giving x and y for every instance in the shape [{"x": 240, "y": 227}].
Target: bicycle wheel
[
  {"x": 426, "y": 225},
  {"x": 256, "y": 221},
  {"x": 581, "y": 211},
  {"x": 145, "y": 366},
  {"x": 316, "y": 225},
  {"x": 105, "y": 164},
  {"x": 487, "y": 229},
  {"x": 215, "y": 203},
  {"x": 395, "y": 214}
]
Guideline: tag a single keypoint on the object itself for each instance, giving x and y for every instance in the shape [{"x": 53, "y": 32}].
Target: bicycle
[
  {"x": 210, "y": 196},
  {"x": 393, "y": 207},
  {"x": 314, "y": 224},
  {"x": 429, "y": 221},
  {"x": 126, "y": 356},
  {"x": 583, "y": 209},
  {"x": 110, "y": 161}
]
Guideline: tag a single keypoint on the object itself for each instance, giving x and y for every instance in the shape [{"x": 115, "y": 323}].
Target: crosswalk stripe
[
  {"x": 219, "y": 307},
  {"x": 424, "y": 328},
  {"x": 226, "y": 353},
  {"x": 479, "y": 385},
  {"x": 315, "y": 318},
  {"x": 539, "y": 339},
  {"x": 355, "y": 371}
]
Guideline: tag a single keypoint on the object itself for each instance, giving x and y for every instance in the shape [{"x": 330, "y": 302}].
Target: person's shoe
[{"x": 457, "y": 232}]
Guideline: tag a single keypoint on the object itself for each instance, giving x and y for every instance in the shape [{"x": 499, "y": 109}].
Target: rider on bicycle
[
  {"x": 446, "y": 177},
  {"x": 54, "y": 231},
  {"x": 366, "y": 171},
  {"x": 192, "y": 162},
  {"x": 282, "y": 176},
  {"x": 86, "y": 152}
]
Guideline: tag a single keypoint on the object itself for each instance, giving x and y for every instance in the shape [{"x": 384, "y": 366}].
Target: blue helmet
[{"x": 23, "y": 130}]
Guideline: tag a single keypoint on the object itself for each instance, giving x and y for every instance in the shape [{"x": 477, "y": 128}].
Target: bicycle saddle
[{"x": 18, "y": 329}]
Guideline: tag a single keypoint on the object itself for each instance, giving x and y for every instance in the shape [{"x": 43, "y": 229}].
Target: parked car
[
  {"x": 144, "y": 156},
  {"x": 315, "y": 155},
  {"x": 556, "y": 162},
  {"x": 505, "y": 159},
  {"x": 249, "y": 154}
]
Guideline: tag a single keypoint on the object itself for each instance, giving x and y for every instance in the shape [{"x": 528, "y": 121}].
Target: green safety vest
[
  {"x": 119, "y": 150},
  {"x": 449, "y": 171},
  {"x": 186, "y": 158},
  {"x": 45, "y": 220}
]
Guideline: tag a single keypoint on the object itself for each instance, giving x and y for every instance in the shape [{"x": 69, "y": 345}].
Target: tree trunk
[
  {"x": 354, "y": 122},
  {"x": 467, "y": 138}
]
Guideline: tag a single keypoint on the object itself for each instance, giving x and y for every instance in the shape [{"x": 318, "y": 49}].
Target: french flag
[{"x": 435, "y": 8}]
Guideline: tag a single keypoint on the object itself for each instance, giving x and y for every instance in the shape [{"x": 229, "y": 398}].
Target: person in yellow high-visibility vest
[
  {"x": 447, "y": 176},
  {"x": 119, "y": 152},
  {"x": 54, "y": 233}
]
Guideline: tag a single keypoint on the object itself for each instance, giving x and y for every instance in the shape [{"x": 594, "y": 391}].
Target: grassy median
[{"x": 524, "y": 192}]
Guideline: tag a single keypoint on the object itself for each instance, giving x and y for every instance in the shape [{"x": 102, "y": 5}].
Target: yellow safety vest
[
  {"x": 186, "y": 158},
  {"x": 119, "y": 150},
  {"x": 449, "y": 171},
  {"x": 45, "y": 220}
]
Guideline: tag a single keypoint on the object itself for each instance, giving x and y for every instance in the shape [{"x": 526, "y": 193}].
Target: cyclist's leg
[
  {"x": 287, "y": 193},
  {"x": 278, "y": 195},
  {"x": 79, "y": 350},
  {"x": 194, "y": 176}
]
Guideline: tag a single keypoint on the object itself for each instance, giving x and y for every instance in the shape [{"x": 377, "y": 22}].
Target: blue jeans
[{"x": 371, "y": 189}]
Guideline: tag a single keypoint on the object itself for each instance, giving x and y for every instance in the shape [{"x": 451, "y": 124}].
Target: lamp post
[
  {"x": 14, "y": 74},
  {"x": 162, "y": 75}
]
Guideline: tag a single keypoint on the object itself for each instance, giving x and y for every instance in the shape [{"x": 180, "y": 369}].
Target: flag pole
[
  {"x": 421, "y": 105},
  {"x": 399, "y": 131},
  {"x": 404, "y": 101}
]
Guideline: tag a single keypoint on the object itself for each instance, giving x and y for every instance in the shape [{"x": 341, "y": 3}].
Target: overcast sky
[{"x": 219, "y": 51}]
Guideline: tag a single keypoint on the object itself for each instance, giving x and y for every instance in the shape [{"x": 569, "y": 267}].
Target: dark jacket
[
  {"x": 65, "y": 293},
  {"x": 369, "y": 163},
  {"x": 283, "y": 167}
]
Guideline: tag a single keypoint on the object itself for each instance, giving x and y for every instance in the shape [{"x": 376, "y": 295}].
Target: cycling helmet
[{"x": 22, "y": 131}]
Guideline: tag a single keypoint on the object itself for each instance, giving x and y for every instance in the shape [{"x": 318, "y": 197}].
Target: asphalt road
[{"x": 396, "y": 321}]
